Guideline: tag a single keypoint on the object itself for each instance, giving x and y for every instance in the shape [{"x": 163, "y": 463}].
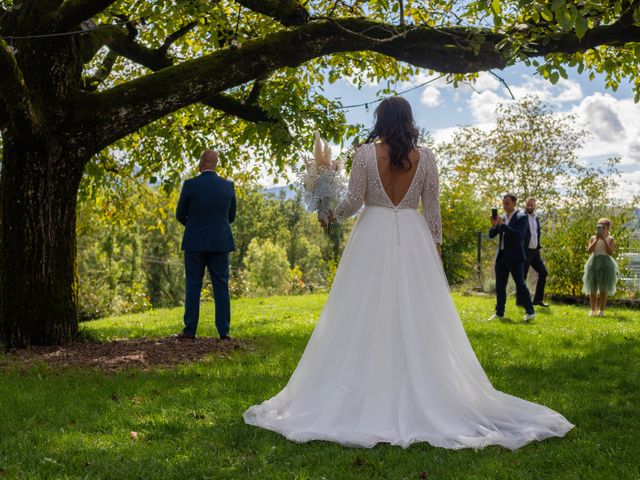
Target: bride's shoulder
[
  {"x": 365, "y": 147},
  {"x": 426, "y": 151},
  {"x": 363, "y": 152},
  {"x": 427, "y": 155}
]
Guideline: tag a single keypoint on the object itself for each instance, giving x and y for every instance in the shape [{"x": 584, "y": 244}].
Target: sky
[{"x": 611, "y": 117}]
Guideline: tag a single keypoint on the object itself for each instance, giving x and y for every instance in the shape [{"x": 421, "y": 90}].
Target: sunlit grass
[{"x": 71, "y": 423}]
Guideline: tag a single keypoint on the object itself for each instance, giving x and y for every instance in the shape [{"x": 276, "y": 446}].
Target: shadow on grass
[{"x": 189, "y": 419}]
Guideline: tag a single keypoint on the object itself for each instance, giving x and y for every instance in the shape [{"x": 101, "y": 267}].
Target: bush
[
  {"x": 332, "y": 269},
  {"x": 98, "y": 299},
  {"x": 310, "y": 264},
  {"x": 462, "y": 217},
  {"x": 267, "y": 268},
  {"x": 296, "y": 281},
  {"x": 238, "y": 284}
]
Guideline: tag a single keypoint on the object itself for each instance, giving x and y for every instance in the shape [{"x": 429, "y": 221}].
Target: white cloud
[
  {"x": 563, "y": 91},
  {"x": 445, "y": 135},
  {"x": 633, "y": 151},
  {"x": 571, "y": 91},
  {"x": 430, "y": 97},
  {"x": 600, "y": 113},
  {"x": 629, "y": 185},
  {"x": 486, "y": 81},
  {"x": 483, "y": 105},
  {"x": 614, "y": 125}
]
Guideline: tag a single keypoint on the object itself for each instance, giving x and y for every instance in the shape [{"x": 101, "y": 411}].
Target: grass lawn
[{"x": 74, "y": 423}]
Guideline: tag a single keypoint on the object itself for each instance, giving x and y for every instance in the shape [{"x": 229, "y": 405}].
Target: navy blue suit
[
  {"x": 534, "y": 260},
  {"x": 206, "y": 208},
  {"x": 511, "y": 260}
]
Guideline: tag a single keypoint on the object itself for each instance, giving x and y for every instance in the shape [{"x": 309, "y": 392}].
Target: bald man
[{"x": 206, "y": 208}]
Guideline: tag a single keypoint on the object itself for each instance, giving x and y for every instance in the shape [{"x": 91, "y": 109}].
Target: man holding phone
[{"x": 512, "y": 229}]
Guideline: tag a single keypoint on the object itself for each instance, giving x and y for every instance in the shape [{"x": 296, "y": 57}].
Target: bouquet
[{"x": 322, "y": 180}]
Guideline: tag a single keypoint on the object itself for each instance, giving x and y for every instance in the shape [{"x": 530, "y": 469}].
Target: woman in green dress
[{"x": 601, "y": 270}]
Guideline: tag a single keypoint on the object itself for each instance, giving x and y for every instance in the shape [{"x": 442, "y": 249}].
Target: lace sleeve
[
  {"x": 356, "y": 190},
  {"x": 431, "y": 198}
]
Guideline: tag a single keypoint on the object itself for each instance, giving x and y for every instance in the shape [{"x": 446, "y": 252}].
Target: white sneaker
[
  {"x": 601, "y": 313},
  {"x": 593, "y": 313},
  {"x": 529, "y": 316},
  {"x": 495, "y": 316}
]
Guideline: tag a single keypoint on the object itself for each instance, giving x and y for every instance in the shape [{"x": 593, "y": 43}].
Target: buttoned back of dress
[{"x": 365, "y": 187}]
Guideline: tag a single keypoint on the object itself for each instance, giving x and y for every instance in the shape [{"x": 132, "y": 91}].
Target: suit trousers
[
  {"x": 503, "y": 268},
  {"x": 217, "y": 263},
  {"x": 534, "y": 260}
]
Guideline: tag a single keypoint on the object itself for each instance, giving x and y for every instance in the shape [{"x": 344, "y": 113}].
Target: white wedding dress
[{"x": 389, "y": 360}]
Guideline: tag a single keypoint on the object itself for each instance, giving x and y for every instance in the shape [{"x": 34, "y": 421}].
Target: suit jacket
[
  {"x": 514, "y": 235},
  {"x": 527, "y": 238},
  {"x": 206, "y": 208}
]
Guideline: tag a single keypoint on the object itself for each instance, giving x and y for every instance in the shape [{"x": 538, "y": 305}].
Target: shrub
[{"x": 267, "y": 268}]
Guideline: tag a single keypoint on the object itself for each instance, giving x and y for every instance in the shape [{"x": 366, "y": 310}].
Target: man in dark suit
[
  {"x": 534, "y": 259},
  {"x": 510, "y": 256},
  {"x": 206, "y": 208}
]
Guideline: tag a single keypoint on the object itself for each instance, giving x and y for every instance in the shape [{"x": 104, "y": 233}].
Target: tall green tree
[
  {"x": 154, "y": 79},
  {"x": 531, "y": 151}
]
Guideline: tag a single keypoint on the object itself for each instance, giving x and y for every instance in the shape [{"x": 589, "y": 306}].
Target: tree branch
[
  {"x": 287, "y": 12},
  {"x": 446, "y": 50},
  {"x": 255, "y": 90},
  {"x": 15, "y": 93},
  {"x": 176, "y": 35},
  {"x": 91, "y": 83},
  {"x": 123, "y": 43},
  {"x": 611, "y": 35},
  {"x": 73, "y": 12},
  {"x": 237, "y": 108},
  {"x": 629, "y": 9}
]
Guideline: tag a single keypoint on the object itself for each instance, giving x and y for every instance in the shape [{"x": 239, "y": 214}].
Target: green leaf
[
  {"x": 562, "y": 72},
  {"x": 581, "y": 26},
  {"x": 546, "y": 14},
  {"x": 554, "y": 77},
  {"x": 496, "y": 7},
  {"x": 564, "y": 18},
  {"x": 556, "y": 4}
]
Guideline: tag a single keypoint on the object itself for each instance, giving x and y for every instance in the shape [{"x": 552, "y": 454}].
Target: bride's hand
[{"x": 326, "y": 224}]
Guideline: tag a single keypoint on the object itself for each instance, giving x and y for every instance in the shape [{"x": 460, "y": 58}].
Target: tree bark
[{"x": 38, "y": 278}]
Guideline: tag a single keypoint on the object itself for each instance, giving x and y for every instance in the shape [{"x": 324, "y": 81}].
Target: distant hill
[{"x": 275, "y": 192}]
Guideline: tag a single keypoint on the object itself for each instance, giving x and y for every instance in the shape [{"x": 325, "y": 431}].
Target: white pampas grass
[{"x": 322, "y": 180}]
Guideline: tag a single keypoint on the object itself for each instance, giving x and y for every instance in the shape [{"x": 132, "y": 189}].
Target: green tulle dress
[{"x": 600, "y": 272}]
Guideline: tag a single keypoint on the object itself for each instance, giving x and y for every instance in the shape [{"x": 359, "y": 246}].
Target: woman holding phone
[{"x": 601, "y": 270}]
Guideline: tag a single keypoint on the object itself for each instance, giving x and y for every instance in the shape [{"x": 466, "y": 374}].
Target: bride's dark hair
[{"x": 395, "y": 126}]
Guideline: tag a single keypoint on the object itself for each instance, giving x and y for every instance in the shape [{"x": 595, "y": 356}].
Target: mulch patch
[{"x": 122, "y": 354}]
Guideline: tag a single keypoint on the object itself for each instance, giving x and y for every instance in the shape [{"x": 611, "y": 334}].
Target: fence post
[{"x": 479, "y": 261}]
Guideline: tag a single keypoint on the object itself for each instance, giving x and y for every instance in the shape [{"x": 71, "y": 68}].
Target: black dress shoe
[
  {"x": 541, "y": 304},
  {"x": 226, "y": 337},
  {"x": 183, "y": 336}
]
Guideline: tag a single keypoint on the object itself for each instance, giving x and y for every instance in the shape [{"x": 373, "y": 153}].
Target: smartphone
[
  {"x": 600, "y": 229},
  {"x": 494, "y": 213}
]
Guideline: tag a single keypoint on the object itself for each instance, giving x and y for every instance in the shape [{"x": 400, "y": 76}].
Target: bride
[{"x": 389, "y": 360}]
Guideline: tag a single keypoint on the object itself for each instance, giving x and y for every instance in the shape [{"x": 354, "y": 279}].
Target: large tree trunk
[{"x": 38, "y": 279}]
